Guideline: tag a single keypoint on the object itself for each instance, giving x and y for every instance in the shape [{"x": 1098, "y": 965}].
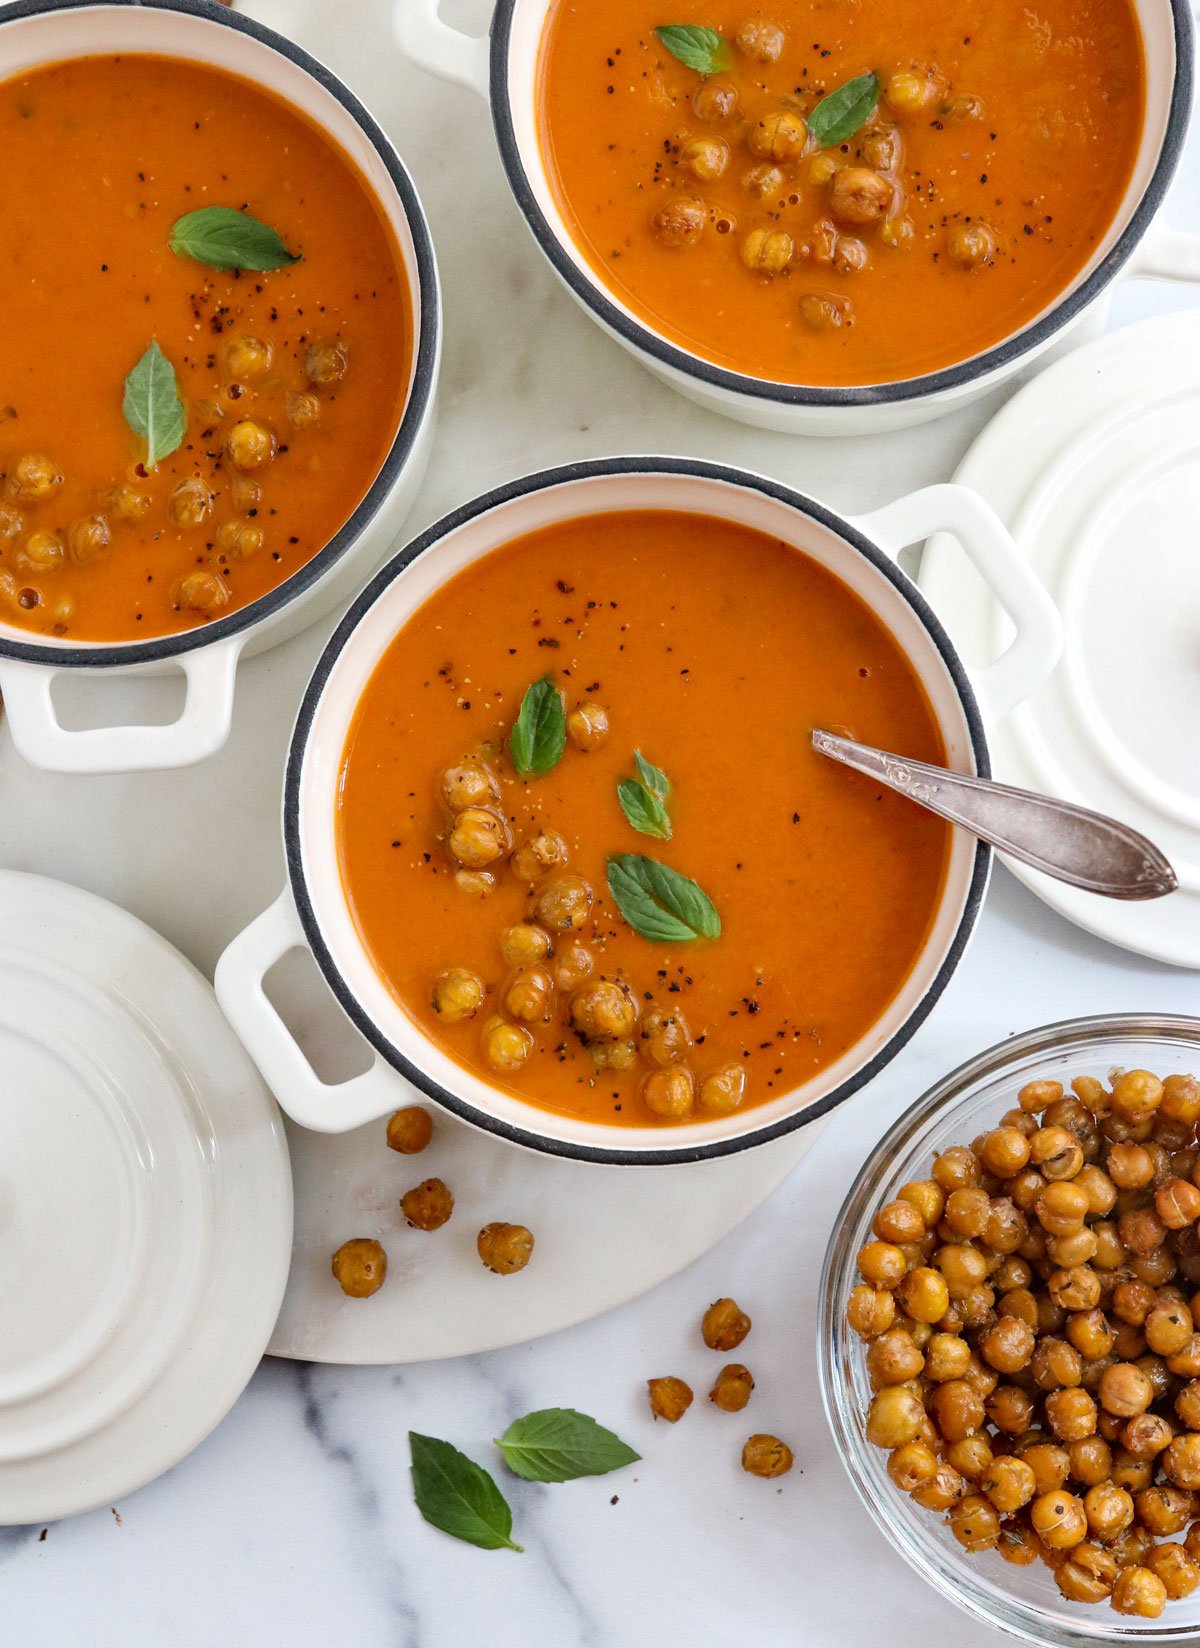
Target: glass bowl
[{"x": 1023, "y": 1601}]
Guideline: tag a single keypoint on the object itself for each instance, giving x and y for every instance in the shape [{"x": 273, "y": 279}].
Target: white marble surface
[{"x": 293, "y": 1524}]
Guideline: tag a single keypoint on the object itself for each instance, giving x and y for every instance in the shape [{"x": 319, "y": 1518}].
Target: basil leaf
[
  {"x": 458, "y": 1496},
  {"x": 558, "y": 1445},
  {"x": 659, "y": 903},
  {"x": 540, "y": 732},
  {"x": 152, "y": 406},
  {"x": 227, "y": 239},
  {"x": 644, "y": 811},
  {"x": 655, "y": 780},
  {"x": 701, "y": 49},
  {"x": 839, "y": 115}
]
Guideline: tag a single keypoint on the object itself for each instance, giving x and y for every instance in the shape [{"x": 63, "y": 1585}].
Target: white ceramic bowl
[
  {"x": 38, "y": 32},
  {"x": 313, "y": 911},
  {"x": 505, "y": 69}
]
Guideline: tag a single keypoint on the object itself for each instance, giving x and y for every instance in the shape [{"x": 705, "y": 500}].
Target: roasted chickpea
[
  {"x": 881, "y": 1263},
  {"x": 33, "y": 478},
  {"x": 946, "y": 1356},
  {"x": 882, "y": 148},
  {"x": 564, "y": 904},
  {"x": 1055, "y": 1363},
  {"x": 1059, "y": 1519},
  {"x": 1163, "y": 1510},
  {"x": 956, "y": 1408},
  {"x": 680, "y": 222},
  {"x": 1009, "y": 1483},
  {"x": 723, "y": 1089},
  {"x": 912, "y": 1466},
  {"x": 964, "y": 106},
  {"x": 910, "y": 91},
  {"x": 974, "y": 1523},
  {"x": 326, "y": 363},
  {"x": 971, "y": 245},
  {"x": 669, "y": 1398},
  {"x": 468, "y": 783},
  {"x": 524, "y": 943},
  {"x": 1142, "y": 1230},
  {"x": 669, "y": 1093},
  {"x": 613, "y": 1055},
  {"x": 89, "y": 539},
  {"x": 1004, "y": 1151},
  {"x": 39, "y": 553},
  {"x": 1021, "y": 1303},
  {"x": 956, "y": 1168},
  {"x": 942, "y": 1490},
  {"x": 475, "y": 883},
  {"x": 1055, "y": 1153},
  {"x": 963, "y": 1267},
  {"x": 1130, "y": 1166},
  {"x": 715, "y": 100},
  {"x": 724, "y": 1325},
  {"x": 1010, "y": 1409},
  {"x": 1178, "y": 1570},
  {"x": 765, "y": 1455},
  {"x": 1181, "y": 1460},
  {"x": 189, "y": 503},
  {"x": 1139, "y": 1592},
  {"x": 1090, "y": 1333},
  {"x": 927, "y": 1197},
  {"x": 893, "y": 1359},
  {"x": 763, "y": 181},
  {"x": 1125, "y": 1390},
  {"x": 1146, "y": 1435},
  {"x": 409, "y": 1130},
  {"x": 768, "y": 251},
  {"x": 780, "y": 136},
  {"x": 360, "y": 1267},
  {"x": 573, "y": 963},
  {"x": 825, "y": 311},
  {"x": 528, "y": 996},
  {"x": 303, "y": 410},
  {"x": 665, "y": 1037},
  {"x": 870, "y": 1310},
  {"x": 503, "y": 1248},
  {"x": 1087, "y": 1575},
  {"x": 970, "y": 1455},
  {"x": 924, "y": 1295},
  {"x": 250, "y": 445},
  {"x": 245, "y": 494},
  {"x": 1074, "y": 1289},
  {"x": 1181, "y": 1100},
  {"x": 1091, "y": 1460},
  {"x": 202, "y": 592},
  {"x": 604, "y": 1008},
  {"x": 1186, "y": 1362},
  {"x": 705, "y": 157},
  {"x": 1071, "y": 1413},
  {"x": 1177, "y": 1203},
  {"x": 1136, "y": 1095},
  {"x": 1035, "y": 1096},
  {"x": 1007, "y": 1345},
  {"x": 587, "y": 725},
  {"x": 860, "y": 195},
  {"x": 478, "y": 837},
  {"x": 762, "y": 41},
  {"x": 967, "y": 1212},
  {"x": 732, "y": 1388},
  {"x": 428, "y": 1205},
  {"x": 1168, "y": 1328},
  {"x": 507, "y": 1047},
  {"x": 457, "y": 995},
  {"x": 539, "y": 855},
  {"x": 1051, "y": 1464}
]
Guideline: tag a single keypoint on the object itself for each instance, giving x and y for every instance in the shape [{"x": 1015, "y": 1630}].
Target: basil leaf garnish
[
  {"x": 152, "y": 406},
  {"x": 699, "y": 48},
  {"x": 458, "y": 1496},
  {"x": 644, "y": 811},
  {"x": 227, "y": 239},
  {"x": 559, "y": 1445},
  {"x": 659, "y": 903},
  {"x": 840, "y": 115},
  {"x": 540, "y": 732},
  {"x": 655, "y": 780}
]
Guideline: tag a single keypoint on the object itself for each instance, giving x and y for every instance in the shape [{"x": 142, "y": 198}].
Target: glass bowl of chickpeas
[{"x": 1010, "y": 1332}]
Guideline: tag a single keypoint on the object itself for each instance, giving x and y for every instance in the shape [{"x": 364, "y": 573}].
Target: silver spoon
[{"x": 1082, "y": 848}]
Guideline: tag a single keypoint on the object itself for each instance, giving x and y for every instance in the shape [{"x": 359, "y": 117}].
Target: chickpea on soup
[
  {"x": 587, "y": 844},
  {"x": 205, "y": 345},
  {"x": 839, "y": 194}
]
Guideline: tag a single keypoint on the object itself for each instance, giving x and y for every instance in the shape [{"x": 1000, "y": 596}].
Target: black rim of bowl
[
  {"x": 590, "y": 292},
  {"x": 107, "y": 655},
  {"x": 617, "y": 1154}
]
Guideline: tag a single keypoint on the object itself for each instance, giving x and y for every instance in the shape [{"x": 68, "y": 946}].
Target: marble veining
[{"x": 293, "y": 1525}]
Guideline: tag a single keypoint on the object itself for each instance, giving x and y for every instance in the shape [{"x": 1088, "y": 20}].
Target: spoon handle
[{"x": 1082, "y": 848}]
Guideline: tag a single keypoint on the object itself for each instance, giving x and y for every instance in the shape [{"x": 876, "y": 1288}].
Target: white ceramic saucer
[
  {"x": 1095, "y": 467},
  {"x": 602, "y": 1236},
  {"x": 145, "y": 1204}
]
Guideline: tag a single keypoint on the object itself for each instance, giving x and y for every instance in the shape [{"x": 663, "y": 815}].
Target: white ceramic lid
[
  {"x": 1095, "y": 467},
  {"x": 145, "y": 1204}
]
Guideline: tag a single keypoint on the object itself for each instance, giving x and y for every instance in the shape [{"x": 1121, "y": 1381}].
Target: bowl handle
[
  {"x": 200, "y": 731},
  {"x": 325, "y": 1107},
  {"x": 1037, "y": 645},
  {"x": 1166, "y": 254},
  {"x": 434, "y": 46}
]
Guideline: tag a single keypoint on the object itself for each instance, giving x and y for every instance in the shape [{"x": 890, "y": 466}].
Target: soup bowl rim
[
  {"x": 1002, "y": 357},
  {"x": 425, "y": 298},
  {"x": 614, "y": 1145}
]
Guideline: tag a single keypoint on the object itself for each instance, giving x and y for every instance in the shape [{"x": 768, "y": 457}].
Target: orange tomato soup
[
  {"x": 102, "y": 156},
  {"x": 713, "y": 650},
  {"x": 1000, "y": 144}
]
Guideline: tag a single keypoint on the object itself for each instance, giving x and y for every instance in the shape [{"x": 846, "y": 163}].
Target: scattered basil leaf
[
  {"x": 699, "y": 48},
  {"x": 152, "y": 406},
  {"x": 228, "y": 239},
  {"x": 840, "y": 115},
  {"x": 655, "y": 780},
  {"x": 643, "y": 810},
  {"x": 458, "y": 1496},
  {"x": 540, "y": 732},
  {"x": 558, "y": 1445},
  {"x": 659, "y": 903}
]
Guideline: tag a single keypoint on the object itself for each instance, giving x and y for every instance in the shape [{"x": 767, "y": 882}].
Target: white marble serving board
[{"x": 293, "y": 1525}]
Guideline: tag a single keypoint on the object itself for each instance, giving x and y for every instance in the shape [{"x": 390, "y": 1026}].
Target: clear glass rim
[{"x": 837, "y": 1275}]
